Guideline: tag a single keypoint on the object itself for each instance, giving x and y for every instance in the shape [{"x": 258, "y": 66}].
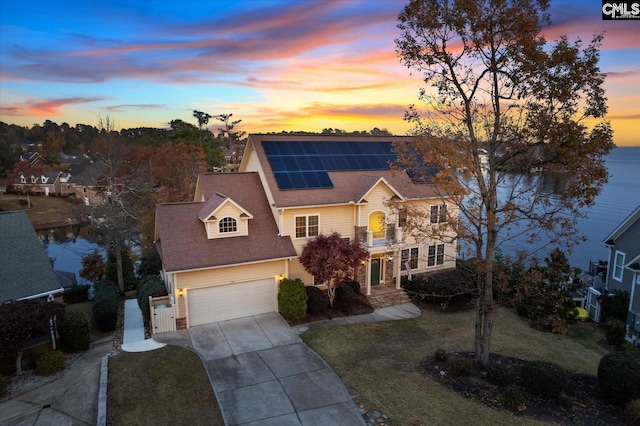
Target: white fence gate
[{"x": 162, "y": 313}]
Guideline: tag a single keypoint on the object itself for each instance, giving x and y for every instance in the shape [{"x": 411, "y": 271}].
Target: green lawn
[
  {"x": 167, "y": 386},
  {"x": 380, "y": 362}
]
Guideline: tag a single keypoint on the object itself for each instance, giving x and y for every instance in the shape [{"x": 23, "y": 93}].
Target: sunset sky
[{"x": 274, "y": 64}]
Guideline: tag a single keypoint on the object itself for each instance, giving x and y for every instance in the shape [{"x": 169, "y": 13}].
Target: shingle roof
[
  {"x": 348, "y": 186},
  {"x": 24, "y": 266},
  {"x": 183, "y": 240}
]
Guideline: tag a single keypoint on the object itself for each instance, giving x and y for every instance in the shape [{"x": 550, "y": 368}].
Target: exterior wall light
[{"x": 180, "y": 292}]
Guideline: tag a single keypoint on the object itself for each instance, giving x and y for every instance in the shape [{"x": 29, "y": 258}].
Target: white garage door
[{"x": 225, "y": 302}]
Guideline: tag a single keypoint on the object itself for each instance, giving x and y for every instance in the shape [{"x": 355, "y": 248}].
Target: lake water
[
  {"x": 66, "y": 246},
  {"x": 618, "y": 198}
]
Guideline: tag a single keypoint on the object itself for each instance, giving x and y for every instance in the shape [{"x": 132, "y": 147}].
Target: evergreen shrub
[
  {"x": 619, "y": 376},
  {"x": 317, "y": 301},
  {"x": 544, "y": 379},
  {"x": 48, "y": 363},
  {"x": 77, "y": 294},
  {"x": 75, "y": 331},
  {"x": 292, "y": 299},
  {"x": 150, "y": 286}
]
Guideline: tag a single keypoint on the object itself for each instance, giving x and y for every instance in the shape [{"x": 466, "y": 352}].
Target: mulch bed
[{"x": 581, "y": 404}]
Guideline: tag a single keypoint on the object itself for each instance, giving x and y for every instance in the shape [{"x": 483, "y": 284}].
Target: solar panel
[{"x": 305, "y": 165}]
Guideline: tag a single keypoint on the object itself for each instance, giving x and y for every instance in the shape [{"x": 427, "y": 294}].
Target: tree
[
  {"x": 203, "y": 120},
  {"x": 23, "y": 320},
  {"x": 499, "y": 92},
  {"x": 118, "y": 219},
  {"x": 93, "y": 266},
  {"x": 332, "y": 260}
]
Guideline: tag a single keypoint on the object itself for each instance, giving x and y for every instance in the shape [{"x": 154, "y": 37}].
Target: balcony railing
[{"x": 391, "y": 236}]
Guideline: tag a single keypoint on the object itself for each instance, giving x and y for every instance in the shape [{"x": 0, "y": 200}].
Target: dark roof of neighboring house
[
  {"x": 86, "y": 172},
  {"x": 24, "y": 266},
  {"x": 183, "y": 242},
  {"x": 347, "y": 185},
  {"x": 66, "y": 279}
]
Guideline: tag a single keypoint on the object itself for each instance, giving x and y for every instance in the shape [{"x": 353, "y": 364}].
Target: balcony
[{"x": 390, "y": 235}]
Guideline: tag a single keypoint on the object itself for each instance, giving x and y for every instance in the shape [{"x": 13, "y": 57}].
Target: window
[
  {"x": 618, "y": 266},
  {"x": 436, "y": 255},
  {"x": 402, "y": 217},
  {"x": 438, "y": 213},
  {"x": 411, "y": 256},
  {"x": 377, "y": 224},
  {"x": 227, "y": 224},
  {"x": 307, "y": 226}
]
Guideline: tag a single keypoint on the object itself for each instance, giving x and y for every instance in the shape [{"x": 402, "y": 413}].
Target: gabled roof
[
  {"x": 623, "y": 226},
  {"x": 217, "y": 201},
  {"x": 347, "y": 186},
  {"x": 182, "y": 238},
  {"x": 25, "y": 268},
  {"x": 87, "y": 172},
  {"x": 634, "y": 264}
]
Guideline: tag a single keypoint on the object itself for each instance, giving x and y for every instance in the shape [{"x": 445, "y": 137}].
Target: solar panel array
[{"x": 305, "y": 165}]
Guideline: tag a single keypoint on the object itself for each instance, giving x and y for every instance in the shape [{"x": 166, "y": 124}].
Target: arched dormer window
[{"x": 227, "y": 224}]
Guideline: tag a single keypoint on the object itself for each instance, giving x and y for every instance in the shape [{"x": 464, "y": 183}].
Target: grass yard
[
  {"x": 167, "y": 386},
  {"x": 44, "y": 211},
  {"x": 380, "y": 362}
]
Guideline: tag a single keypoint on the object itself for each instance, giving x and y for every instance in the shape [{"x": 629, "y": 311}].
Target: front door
[{"x": 375, "y": 271}]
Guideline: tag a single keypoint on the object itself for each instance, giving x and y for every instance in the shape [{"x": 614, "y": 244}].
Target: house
[
  {"x": 224, "y": 254},
  {"x": 623, "y": 271},
  {"x": 47, "y": 183},
  {"x": 84, "y": 181},
  {"x": 25, "y": 268}
]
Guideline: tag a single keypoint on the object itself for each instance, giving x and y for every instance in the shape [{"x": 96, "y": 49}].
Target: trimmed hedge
[
  {"x": 75, "y": 331},
  {"x": 105, "y": 305},
  {"x": 77, "y": 294},
  {"x": 150, "y": 286},
  {"x": 544, "y": 379},
  {"x": 292, "y": 299},
  {"x": 317, "y": 301},
  {"x": 619, "y": 376},
  {"x": 48, "y": 363}
]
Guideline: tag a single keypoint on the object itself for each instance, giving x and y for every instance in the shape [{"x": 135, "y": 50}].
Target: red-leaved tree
[
  {"x": 93, "y": 267},
  {"x": 23, "y": 320},
  {"x": 332, "y": 260}
]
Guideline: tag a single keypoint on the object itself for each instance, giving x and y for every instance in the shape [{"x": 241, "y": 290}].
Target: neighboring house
[
  {"x": 623, "y": 272},
  {"x": 25, "y": 269},
  {"x": 224, "y": 254},
  {"x": 83, "y": 181},
  {"x": 33, "y": 158},
  {"x": 48, "y": 183}
]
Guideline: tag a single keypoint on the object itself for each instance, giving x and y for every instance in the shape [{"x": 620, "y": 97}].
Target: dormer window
[{"x": 227, "y": 224}]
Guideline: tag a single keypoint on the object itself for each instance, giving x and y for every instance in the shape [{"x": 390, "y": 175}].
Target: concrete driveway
[{"x": 263, "y": 374}]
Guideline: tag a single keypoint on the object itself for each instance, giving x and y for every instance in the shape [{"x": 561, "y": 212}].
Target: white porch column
[
  {"x": 367, "y": 276},
  {"x": 398, "y": 267}
]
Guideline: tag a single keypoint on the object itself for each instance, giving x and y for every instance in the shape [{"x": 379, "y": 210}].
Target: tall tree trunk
[
  {"x": 119, "y": 269},
  {"x": 486, "y": 306}
]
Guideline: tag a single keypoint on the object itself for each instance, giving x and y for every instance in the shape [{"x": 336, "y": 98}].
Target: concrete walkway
[
  {"x": 262, "y": 372},
  {"x": 133, "y": 339},
  {"x": 69, "y": 400}
]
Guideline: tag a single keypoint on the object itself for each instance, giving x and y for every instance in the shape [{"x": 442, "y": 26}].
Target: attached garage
[{"x": 230, "y": 301}]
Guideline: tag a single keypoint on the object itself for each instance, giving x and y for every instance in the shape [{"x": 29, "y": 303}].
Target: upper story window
[
  {"x": 228, "y": 224},
  {"x": 438, "y": 213},
  {"x": 618, "y": 266},
  {"x": 307, "y": 226},
  {"x": 402, "y": 217}
]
